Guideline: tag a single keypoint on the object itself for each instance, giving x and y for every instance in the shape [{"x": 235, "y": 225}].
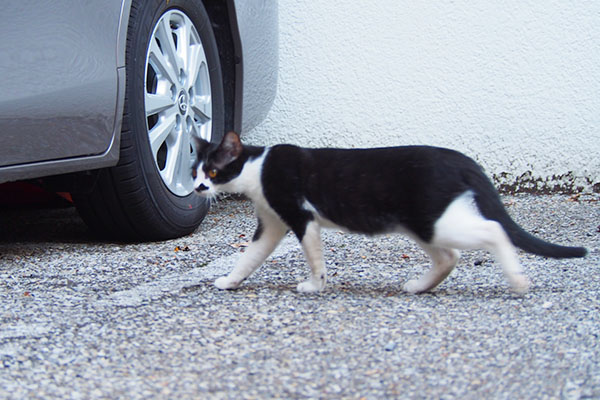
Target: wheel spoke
[
  {"x": 184, "y": 166},
  {"x": 202, "y": 108},
  {"x": 161, "y": 131},
  {"x": 203, "y": 130},
  {"x": 195, "y": 60},
  {"x": 174, "y": 167},
  {"x": 156, "y": 103},
  {"x": 183, "y": 43},
  {"x": 164, "y": 34},
  {"x": 195, "y": 130},
  {"x": 161, "y": 64}
]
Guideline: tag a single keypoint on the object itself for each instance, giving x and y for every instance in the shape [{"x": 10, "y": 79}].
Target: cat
[{"x": 438, "y": 197}]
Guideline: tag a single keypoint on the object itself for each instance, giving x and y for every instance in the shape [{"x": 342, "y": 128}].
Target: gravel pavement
[{"x": 82, "y": 319}]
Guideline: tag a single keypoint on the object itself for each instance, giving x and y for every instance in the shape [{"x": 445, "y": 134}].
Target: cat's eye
[
  {"x": 194, "y": 173},
  {"x": 212, "y": 173}
]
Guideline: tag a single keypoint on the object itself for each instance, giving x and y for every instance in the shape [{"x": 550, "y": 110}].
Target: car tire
[{"x": 142, "y": 198}]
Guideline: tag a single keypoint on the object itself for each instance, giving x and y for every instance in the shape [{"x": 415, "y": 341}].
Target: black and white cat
[{"x": 438, "y": 197}]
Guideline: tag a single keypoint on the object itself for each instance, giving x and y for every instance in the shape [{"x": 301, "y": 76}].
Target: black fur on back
[
  {"x": 365, "y": 190},
  {"x": 377, "y": 190}
]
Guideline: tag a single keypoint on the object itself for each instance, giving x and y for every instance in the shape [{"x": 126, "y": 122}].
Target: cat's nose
[{"x": 202, "y": 187}]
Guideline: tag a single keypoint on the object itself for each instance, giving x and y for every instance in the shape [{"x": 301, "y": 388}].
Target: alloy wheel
[{"x": 178, "y": 101}]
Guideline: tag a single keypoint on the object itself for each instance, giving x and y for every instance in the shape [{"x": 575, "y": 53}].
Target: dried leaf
[{"x": 238, "y": 245}]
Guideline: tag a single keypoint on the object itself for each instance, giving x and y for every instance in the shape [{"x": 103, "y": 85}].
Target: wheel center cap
[{"x": 182, "y": 102}]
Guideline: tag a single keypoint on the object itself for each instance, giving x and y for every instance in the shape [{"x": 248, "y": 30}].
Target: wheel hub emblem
[{"x": 182, "y": 102}]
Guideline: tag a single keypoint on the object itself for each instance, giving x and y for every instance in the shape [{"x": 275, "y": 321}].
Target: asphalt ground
[{"x": 86, "y": 319}]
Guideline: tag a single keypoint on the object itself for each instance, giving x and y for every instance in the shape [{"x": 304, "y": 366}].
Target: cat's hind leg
[
  {"x": 313, "y": 251},
  {"x": 268, "y": 234},
  {"x": 444, "y": 260},
  {"x": 462, "y": 227}
]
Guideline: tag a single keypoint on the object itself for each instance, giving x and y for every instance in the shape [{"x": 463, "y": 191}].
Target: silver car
[{"x": 101, "y": 99}]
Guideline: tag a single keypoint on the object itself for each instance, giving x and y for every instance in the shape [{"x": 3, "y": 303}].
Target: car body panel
[
  {"x": 62, "y": 81},
  {"x": 59, "y": 82},
  {"x": 257, "y": 24},
  {"x": 108, "y": 158}
]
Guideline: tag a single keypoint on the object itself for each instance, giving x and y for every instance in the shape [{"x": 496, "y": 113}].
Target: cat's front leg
[
  {"x": 228, "y": 282},
  {"x": 313, "y": 251},
  {"x": 268, "y": 234}
]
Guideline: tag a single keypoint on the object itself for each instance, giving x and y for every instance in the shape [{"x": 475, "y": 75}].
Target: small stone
[
  {"x": 547, "y": 305},
  {"x": 390, "y": 346}
]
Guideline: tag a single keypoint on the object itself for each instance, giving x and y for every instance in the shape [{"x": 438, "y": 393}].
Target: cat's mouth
[
  {"x": 206, "y": 192},
  {"x": 201, "y": 188}
]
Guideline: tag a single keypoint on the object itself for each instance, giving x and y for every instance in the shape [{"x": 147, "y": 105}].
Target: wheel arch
[
  {"x": 247, "y": 38},
  {"x": 225, "y": 28}
]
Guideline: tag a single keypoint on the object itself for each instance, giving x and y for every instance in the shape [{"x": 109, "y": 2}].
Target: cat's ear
[
  {"x": 200, "y": 145},
  {"x": 229, "y": 150}
]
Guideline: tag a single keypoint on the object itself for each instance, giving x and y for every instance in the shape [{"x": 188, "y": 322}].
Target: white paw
[
  {"x": 310, "y": 286},
  {"x": 225, "y": 282},
  {"x": 413, "y": 286},
  {"x": 520, "y": 284}
]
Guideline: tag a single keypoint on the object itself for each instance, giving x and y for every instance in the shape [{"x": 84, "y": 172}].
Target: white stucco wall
[{"x": 515, "y": 84}]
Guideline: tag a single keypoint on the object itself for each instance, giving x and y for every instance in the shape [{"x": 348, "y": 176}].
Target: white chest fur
[{"x": 248, "y": 182}]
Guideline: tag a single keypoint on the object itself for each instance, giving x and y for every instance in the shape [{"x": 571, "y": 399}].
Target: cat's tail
[{"x": 490, "y": 205}]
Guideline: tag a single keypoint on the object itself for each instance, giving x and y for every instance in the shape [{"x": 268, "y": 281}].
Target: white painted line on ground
[
  {"x": 25, "y": 330},
  {"x": 174, "y": 283}
]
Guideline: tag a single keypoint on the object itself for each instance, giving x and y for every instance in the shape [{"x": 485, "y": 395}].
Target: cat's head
[{"x": 217, "y": 165}]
